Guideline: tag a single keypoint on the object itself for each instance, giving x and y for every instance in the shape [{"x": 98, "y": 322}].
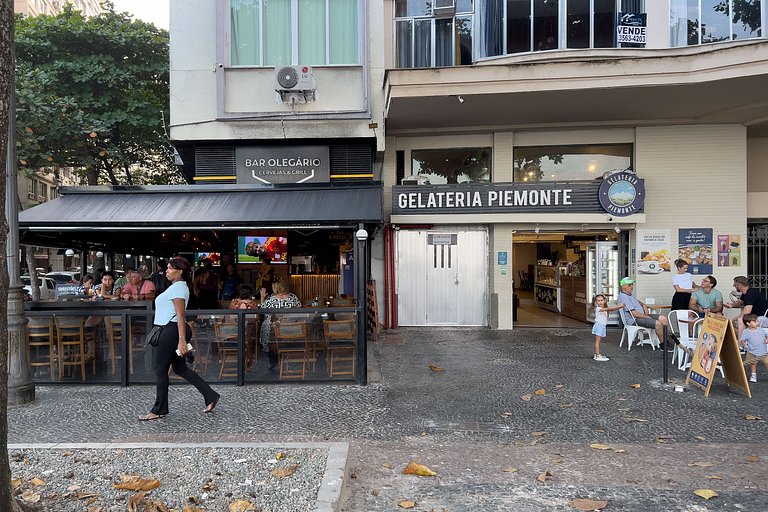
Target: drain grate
[{"x": 464, "y": 426}]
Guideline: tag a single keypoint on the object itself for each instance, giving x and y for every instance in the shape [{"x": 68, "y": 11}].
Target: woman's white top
[
  {"x": 164, "y": 310},
  {"x": 684, "y": 281}
]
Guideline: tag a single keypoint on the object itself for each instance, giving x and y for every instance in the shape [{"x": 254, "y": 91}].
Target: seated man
[
  {"x": 752, "y": 302},
  {"x": 638, "y": 313},
  {"x": 706, "y": 299}
]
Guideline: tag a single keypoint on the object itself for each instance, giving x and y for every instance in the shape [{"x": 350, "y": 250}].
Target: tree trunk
[
  {"x": 34, "y": 286},
  {"x": 6, "y": 89},
  {"x": 91, "y": 176}
]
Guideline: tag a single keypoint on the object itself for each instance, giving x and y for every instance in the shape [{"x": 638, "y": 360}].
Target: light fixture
[
  {"x": 99, "y": 254},
  {"x": 581, "y": 229},
  {"x": 69, "y": 253},
  {"x": 461, "y": 100},
  {"x": 537, "y": 229},
  {"x": 617, "y": 229},
  {"x": 361, "y": 235},
  {"x": 127, "y": 255}
]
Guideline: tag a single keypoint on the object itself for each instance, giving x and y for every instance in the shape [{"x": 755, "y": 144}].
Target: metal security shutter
[
  {"x": 351, "y": 161},
  {"x": 215, "y": 164}
]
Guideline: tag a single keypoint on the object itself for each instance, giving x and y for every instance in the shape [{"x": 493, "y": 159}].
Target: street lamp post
[
  {"x": 361, "y": 274},
  {"x": 21, "y": 389}
]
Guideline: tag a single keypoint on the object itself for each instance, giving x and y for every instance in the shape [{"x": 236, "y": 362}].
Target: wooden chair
[
  {"x": 226, "y": 341},
  {"x": 72, "y": 344},
  {"x": 291, "y": 345},
  {"x": 114, "y": 337},
  {"x": 340, "y": 338},
  {"x": 40, "y": 335}
]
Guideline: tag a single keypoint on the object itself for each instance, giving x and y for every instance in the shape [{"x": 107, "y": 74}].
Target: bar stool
[
  {"x": 72, "y": 344},
  {"x": 40, "y": 335},
  {"x": 226, "y": 340}
]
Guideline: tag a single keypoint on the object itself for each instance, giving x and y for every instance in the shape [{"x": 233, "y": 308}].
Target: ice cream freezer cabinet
[{"x": 546, "y": 289}]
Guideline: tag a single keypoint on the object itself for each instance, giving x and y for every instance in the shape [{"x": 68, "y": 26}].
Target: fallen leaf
[
  {"x": 30, "y": 496},
  {"x": 242, "y": 506},
  {"x": 540, "y": 392},
  {"x": 635, "y": 420},
  {"x": 509, "y": 470},
  {"x": 375, "y": 492},
  {"x": 636, "y": 386},
  {"x": 406, "y": 504},
  {"x": 566, "y": 405},
  {"x": 134, "y": 500},
  {"x": 73, "y": 487},
  {"x": 414, "y": 468},
  {"x": 713, "y": 477},
  {"x": 526, "y": 398},
  {"x": 752, "y": 418},
  {"x": 279, "y": 455},
  {"x": 700, "y": 438},
  {"x": 96, "y": 509},
  {"x": 705, "y": 493},
  {"x": 191, "y": 508},
  {"x": 539, "y": 434},
  {"x": 599, "y": 446},
  {"x": 436, "y": 368},
  {"x": 67, "y": 453},
  {"x": 558, "y": 386},
  {"x": 37, "y": 481},
  {"x": 136, "y": 483},
  {"x": 506, "y": 414},
  {"x": 584, "y": 504},
  {"x": 286, "y": 471},
  {"x": 619, "y": 450},
  {"x": 544, "y": 476},
  {"x": 87, "y": 495},
  {"x": 16, "y": 483},
  {"x": 387, "y": 465},
  {"x": 701, "y": 464},
  {"x": 752, "y": 458},
  {"x": 557, "y": 461},
  {"x": 209, "y": 485}
]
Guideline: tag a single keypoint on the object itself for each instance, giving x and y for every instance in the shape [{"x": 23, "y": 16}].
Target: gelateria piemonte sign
[{"x": 619, "y": 194}]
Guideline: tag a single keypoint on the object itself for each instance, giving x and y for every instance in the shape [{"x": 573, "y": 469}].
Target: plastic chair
[
  {"x": 684, "y": 332},
  {"x": 636, "y": 334}
]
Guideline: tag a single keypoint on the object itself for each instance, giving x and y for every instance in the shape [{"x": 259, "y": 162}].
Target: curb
[{"x": 330, "y": 495}]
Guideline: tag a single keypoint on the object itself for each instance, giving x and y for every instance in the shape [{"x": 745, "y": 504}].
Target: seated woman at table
[
  {"x": 245, "y": 301},
  {"x": 683, "y": 284},
  {"x": 281, "y": 298},
  {"x": 137, "y": 288},
  {"x": 706, "y": 299}
]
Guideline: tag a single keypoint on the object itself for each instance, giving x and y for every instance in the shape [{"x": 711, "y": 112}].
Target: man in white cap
[{"x": 638, "y": 313}]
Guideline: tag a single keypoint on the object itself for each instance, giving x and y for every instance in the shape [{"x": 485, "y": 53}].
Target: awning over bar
[
  {"x": 129, "y": 218},
  {"x": 203, "y": 207}
]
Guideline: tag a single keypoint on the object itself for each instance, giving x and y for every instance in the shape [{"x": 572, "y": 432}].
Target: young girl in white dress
[{"x": 601, "y": 320}]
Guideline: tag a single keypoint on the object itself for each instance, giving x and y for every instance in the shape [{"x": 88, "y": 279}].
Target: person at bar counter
[
  {"x": 137, "y": 288},
  {"x": 751, "y": 301},
  {"x": 86, "y": 286},
  {"x": 706, "y": 299},
  {"x": 206, "y": 287},
  {"x": 171, "y": 348},
  {"x": 637, "y": 312},
  {"x": 107, "y": 289},
  {"x": 282, "y": 298}
]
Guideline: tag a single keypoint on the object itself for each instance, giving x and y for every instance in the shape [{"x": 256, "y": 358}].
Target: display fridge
[{"x": 603, "y": 276}]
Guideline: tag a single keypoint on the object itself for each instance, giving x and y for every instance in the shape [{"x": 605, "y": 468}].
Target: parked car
[
  {"x": 47, "y": 287},
  {"x": 64, "y": 277}
]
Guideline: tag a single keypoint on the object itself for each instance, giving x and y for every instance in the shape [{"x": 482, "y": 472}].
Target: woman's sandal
[
  {"x": 211, "y": 406},
  {"x": 151, "y": 416}
]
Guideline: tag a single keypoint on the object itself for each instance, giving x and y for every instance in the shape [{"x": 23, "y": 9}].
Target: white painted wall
[{"x": 695, "y": 177}]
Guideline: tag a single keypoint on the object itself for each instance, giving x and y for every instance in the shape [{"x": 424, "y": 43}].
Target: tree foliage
[{"x": 93, "y": 94}]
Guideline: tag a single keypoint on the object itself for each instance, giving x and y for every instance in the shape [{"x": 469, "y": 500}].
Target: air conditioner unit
[
  {"x": 294, "y": 79},
  {"x": 415, "y": 180},
  {"x": 443, "y": 7}
]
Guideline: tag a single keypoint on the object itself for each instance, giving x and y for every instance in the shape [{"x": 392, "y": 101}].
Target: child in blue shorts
[{"x": 601, "y": 320}]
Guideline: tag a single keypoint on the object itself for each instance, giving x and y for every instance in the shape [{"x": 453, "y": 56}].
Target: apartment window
[
  {"x": 441, "y": 166},
  {"x": 517, "y": 26},
  {"x": 568, "y": 163},
  {"x": 425, "y": 37},
  {"x": 282, "y": 32},
  {"x": 695, "y": 22},
  {"x": 43, "y": 192}
]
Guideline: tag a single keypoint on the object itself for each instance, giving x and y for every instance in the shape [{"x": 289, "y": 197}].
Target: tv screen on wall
[
  {"x": 253, "y": 249},
  {"x": 213, "y": 257}
]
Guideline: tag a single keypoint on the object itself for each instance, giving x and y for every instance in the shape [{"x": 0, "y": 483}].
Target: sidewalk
[{"x": 469, "y": 422}]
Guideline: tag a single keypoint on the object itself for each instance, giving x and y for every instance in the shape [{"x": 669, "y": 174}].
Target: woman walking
[{"x": 171, "y": 348}]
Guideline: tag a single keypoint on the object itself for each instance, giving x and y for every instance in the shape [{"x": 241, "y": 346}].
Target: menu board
[{"x": 694, "y": 245}]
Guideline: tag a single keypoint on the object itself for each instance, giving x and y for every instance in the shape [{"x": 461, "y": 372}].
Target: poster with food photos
[
  {"x": 653, "y": 251},
  {"x": 694, "y": 246},
  {"x": 728, "y": 250}
]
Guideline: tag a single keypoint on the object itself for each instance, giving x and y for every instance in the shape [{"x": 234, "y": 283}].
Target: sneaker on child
[
  {"x": 753, "y": 378},
  {"x": 600, "y": 357}
]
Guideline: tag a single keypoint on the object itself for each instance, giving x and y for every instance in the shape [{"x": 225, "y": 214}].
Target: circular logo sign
[{"x": 622, "y": 194}]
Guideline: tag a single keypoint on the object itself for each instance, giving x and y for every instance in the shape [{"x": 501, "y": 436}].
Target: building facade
[
  {"x": 508, "y": 122},
  {"x": 52, "y": 7}
]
